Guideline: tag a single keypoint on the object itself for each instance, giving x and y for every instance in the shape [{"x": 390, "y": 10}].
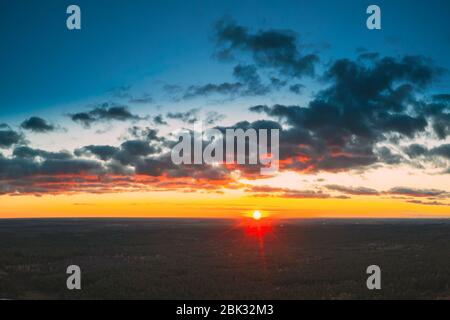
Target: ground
[{"x": 224, "y": 259}]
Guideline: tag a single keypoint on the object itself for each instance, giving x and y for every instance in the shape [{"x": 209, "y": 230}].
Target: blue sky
[{"x": 44, "y": 65}]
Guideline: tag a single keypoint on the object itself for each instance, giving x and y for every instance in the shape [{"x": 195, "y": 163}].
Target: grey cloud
[
  {"x": 365, "y": 103},
  {"x": 104, "y": 112},
  {"x": 159, "y": 120},
  {"x": 296, "y": 88},
  {"x": 190, "y": 116},
  {"x": 9, "y": 137},
  {"x": 276, "y": 49},
  {"x": 103, "y": 152},
  {"x": 429, "y": 203},
  {"x": 37, "y": 124},
  {"x": 27, "y": 152},
  {"x": 353, "y": 190},
  {"x": 225, "y": 88},
  {"x": 405, "y": 191}
]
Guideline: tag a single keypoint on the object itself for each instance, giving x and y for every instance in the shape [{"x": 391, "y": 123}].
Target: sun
[{"x": 256, "y": 215}]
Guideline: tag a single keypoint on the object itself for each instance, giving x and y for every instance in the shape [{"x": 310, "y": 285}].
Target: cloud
[
  {"x": 190, "y": 116},
  {"x": 438, "y": 110},
  {"x": 267, "y": 191},
  {"x": 20, "y": 167},
  {"x": 365, "y": 103},
  {"x": 9, "y": 137},
  {"x": 248, "y": 84},
  {"x": 37, "y": 124},
  {"x": 416, "y": 150},
  {"x": 353, "y": 190},
  {"x": 104, "y": 112},
  {"x": 413, "y": 192},
  {"x": 224, "y": 88},
  {"x": 274, "y": 49},
  {"x": 213, "y": 117},
  {"x": 30, "y": 153},
  {"x": 407, "y": 193},
  {"x": 248, "y": 75},
  {"x": 146, "y": 133},
  {"x": 443, "y": 151},
  {"x": 445, "y": 97},
  {"x": 296, "y": 88},
  {"x": 102, "y": 152},
  {"x": 429, "y": 203},
  {"x": 159, "y": 120},
  {"x": 365, "y": 111},
  {"x": 137, "y": 148}
]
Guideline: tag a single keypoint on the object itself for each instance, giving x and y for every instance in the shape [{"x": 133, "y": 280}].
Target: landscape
[
  {"x": 224, "y": 259},
  {"x": 224, "y": 149}
]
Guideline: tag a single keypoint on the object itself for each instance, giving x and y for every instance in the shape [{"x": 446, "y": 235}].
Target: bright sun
[{"x": 256, "y": 215}]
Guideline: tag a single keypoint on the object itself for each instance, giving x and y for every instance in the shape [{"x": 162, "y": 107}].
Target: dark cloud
[
  {"x": 296, "y": 88},
  {"x": 405, "y": 191},
  {"x": 275, "y": 49},
  {"x": 267, "y": 191},
  {"x": 9, "y": 137},
  {"x": 137, "y": 148},
  {"x": 408, "y": 193},
  {"x": 225, "y": 88},
  {"x": 429, "y": 203},
  {"x": 272, "y": 49},
  {"x": 104, "y": 112},
  {"x": 37, "y": 124},
  {"x": 71, "y": 166},
  {"x": 159, "y": 120},
  {"x": 417, "y": 150},
  {"x": 133, "y": 151},
  {"x": 367, "y": 108},
  {"x": 386, "y": 155},
  {"x": 190, "y": 116},
  {"x": 101, "y": 152},
  {"x": 353, "y": 190},
  {"x": 153, "y": 167},
  {"x": 248, "y": 75},
  {"x": 15, "y": 168},
  {"x": 146, "y": 133},
  {"x": 366, "y": 103},
  {"x": 248, "y": 84},
  {"x": 27, "y": 152},
  {"x": 444, "y": 97},
  {"x": 277, "y": 84},
  {"x": 442, "y": 151},
  {"x": 438, "y": 110}
]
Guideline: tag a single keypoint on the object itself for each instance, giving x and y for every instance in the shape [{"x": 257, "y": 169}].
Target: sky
[{"x": 88, "y": 117}]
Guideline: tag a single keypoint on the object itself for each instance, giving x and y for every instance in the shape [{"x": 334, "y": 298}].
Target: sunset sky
[{"x": 88, "y": 117}]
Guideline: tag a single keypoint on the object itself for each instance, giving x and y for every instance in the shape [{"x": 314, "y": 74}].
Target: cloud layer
[{"x": 368, "y": 112}]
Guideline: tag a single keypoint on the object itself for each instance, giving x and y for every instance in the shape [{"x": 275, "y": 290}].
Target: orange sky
[{"x": 234, "y": 204}]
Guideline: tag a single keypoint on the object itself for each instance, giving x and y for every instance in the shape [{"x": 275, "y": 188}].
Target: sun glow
[{"x": 256, "y": 215}]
